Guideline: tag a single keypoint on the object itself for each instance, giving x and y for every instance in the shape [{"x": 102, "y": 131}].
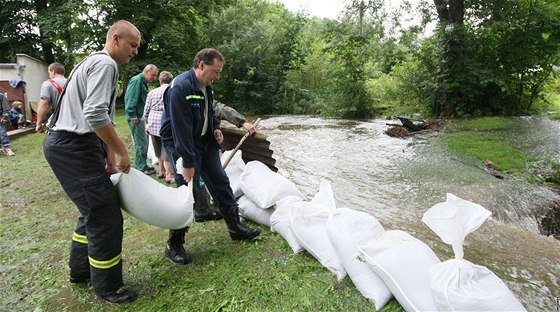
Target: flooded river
[{"x": 397, "y": 180}]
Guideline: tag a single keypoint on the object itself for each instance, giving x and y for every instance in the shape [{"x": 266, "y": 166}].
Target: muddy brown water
[{"x": 397, "y": 180}]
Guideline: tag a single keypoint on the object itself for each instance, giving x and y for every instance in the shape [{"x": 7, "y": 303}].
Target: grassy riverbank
[
  {"x": 37, "y": 221},
  {"x": 485, "y": 139}
]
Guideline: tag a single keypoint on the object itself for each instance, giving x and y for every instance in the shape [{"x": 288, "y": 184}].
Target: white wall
[
  {"x": 34, "y": 73},
  {"x": 8, "y": 71},
  {"x": 30, "y": 70}
]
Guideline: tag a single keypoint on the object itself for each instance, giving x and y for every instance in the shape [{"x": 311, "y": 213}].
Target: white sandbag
[
  {"x": 249, "y": 210},
  {"x": 152, "y": 202},
  {"x": 457, "y": 284},
  {"x": 264, "y": 186},
  {"x": 403, "y": 263},
  {"x": 151, "y": 152},
  {"x": 280, "y": 221},
  {"x": 234, "y": 170},
  {"x": 346, "y": 229},
  {"x": 309, "y": 226}
]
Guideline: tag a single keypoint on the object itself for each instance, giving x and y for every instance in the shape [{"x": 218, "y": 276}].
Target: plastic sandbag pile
[{"x": 381, "y": 264}]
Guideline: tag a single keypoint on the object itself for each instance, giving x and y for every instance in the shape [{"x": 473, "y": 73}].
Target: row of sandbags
[{"x": 381, "y": 263}]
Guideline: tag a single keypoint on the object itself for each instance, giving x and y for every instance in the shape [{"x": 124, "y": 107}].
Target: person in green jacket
[{"x": 134, "y": 102}]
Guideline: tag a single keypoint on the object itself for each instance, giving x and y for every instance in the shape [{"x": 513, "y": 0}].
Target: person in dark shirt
[{"x": 190, "y": 131}]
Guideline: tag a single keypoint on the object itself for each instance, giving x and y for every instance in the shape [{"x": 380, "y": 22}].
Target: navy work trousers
[
  {"x": 78, "y": 162},
  {"x": 209, "y": 166}
]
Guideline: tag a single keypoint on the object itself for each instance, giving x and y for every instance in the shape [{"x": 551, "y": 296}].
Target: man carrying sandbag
[
  {"x": 191, "y": 131},
  {"x": 82, "y": 148}
]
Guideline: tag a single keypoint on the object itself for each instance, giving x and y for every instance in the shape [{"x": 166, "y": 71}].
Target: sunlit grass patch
[
  {"x": 482, "y": 138},
  {"x": 479, "y": 124}
]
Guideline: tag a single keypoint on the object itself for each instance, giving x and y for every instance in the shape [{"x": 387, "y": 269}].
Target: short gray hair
[
  {"x": 165, "y": 77},
  {"x": 149, "y": 68}
]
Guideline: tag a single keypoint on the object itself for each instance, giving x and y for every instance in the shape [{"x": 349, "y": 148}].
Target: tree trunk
[
  {"x": 46, "y": 44},
  {"x": 451, "y": 71}
]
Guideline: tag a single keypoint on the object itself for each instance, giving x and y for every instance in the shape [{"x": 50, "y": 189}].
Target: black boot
[
  {"x": 237, "y": 230},
  {"x": 201, "y": 209},
  {"x": 119, "y": 296},
  {"x": 174, "y": 250},
  {"x": 79, "y": 277}
]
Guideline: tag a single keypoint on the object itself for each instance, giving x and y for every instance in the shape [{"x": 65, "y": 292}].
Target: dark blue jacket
[{"x": 183, "y": 117}]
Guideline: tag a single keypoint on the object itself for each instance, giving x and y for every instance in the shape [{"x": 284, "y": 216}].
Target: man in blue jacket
[{"x": 191, "y": 131}]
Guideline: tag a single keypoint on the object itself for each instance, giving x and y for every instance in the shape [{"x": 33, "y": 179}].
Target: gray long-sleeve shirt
[{"x": 89, "y": 101}]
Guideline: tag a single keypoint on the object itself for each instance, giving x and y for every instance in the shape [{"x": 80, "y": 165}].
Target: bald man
[{"x": 83, "y": 149}]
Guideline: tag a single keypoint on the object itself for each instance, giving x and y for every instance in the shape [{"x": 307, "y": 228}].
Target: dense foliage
[
  {"x": 497, "y": 60},
  {"x": 439, "y": 58}
]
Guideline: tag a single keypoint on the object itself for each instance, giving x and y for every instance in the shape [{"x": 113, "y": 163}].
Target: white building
[{"x": 29, "y": 70}]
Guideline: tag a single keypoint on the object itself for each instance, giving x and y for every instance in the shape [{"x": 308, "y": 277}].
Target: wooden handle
[{"x": 239, "y": 144}]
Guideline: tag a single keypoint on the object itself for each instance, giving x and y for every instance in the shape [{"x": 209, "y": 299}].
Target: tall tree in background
[
  {"x": 513, "y": 46},
  {"x": 350, "y": 53},
  {"x": 17, "y": 27},
  {"x": 261, "y": 42},
  {"x": 451, "y": 15},
  {"x": 47, "y": 45},
  {"x": 352, "y": 43},
  {"x": 495, "y": 56},
  {"x": 169, "y": 31},
  {"x": 62, "y": 30}
]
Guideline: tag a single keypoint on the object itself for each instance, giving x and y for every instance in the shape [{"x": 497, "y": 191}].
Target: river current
[{"x": 397, "y": 180}]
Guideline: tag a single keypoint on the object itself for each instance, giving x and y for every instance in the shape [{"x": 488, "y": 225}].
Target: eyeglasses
[{"x": 217, "y": 72}]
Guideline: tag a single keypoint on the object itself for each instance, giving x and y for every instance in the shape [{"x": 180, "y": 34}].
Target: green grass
[
  {"x": 482, "y": 138},
  {"x": 37, "y": 221}
]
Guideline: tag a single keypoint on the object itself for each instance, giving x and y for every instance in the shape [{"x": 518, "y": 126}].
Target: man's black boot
[
  {"x": 237, "y": 230},
  {"x": 201, "y": 209},
  {"x": 79, "y": 277},
  {"x": 119, "y": 296},
  {"x": 176, "y": 254},
  {"x": 174, "y": 250}
]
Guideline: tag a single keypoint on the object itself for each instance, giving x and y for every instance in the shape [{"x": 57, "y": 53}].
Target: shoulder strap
[{"x": 56, "y": 86}]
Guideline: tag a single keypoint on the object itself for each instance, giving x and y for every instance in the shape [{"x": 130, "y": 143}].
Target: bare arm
[
  {"x": 41, "y": 114},
  {"x": 114, "y": 145},
  {"x": 110, "y": 160}
]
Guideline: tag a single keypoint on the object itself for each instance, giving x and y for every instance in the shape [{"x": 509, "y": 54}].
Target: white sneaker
[{"x": 9, "y": 152}]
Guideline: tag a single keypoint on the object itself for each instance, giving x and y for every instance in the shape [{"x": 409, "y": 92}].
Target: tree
[
  {"x": 169, "y": 31},
  {"x": 18, "y": 30},
  {"x": 494, "y": 56},
  {"x": 450, "y": 17},
  {"x": 513, "y": 47},
  {"x": 261, "y": 43},
  {"x": 349, "y": 53}
]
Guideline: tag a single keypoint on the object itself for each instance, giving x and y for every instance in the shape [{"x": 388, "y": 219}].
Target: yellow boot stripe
[
  {"x": 79, "y": 238},
  {"x": 104, "y": 264}
]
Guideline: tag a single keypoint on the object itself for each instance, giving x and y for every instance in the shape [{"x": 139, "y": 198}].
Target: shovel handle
[{"x": 239, "y": 144}]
